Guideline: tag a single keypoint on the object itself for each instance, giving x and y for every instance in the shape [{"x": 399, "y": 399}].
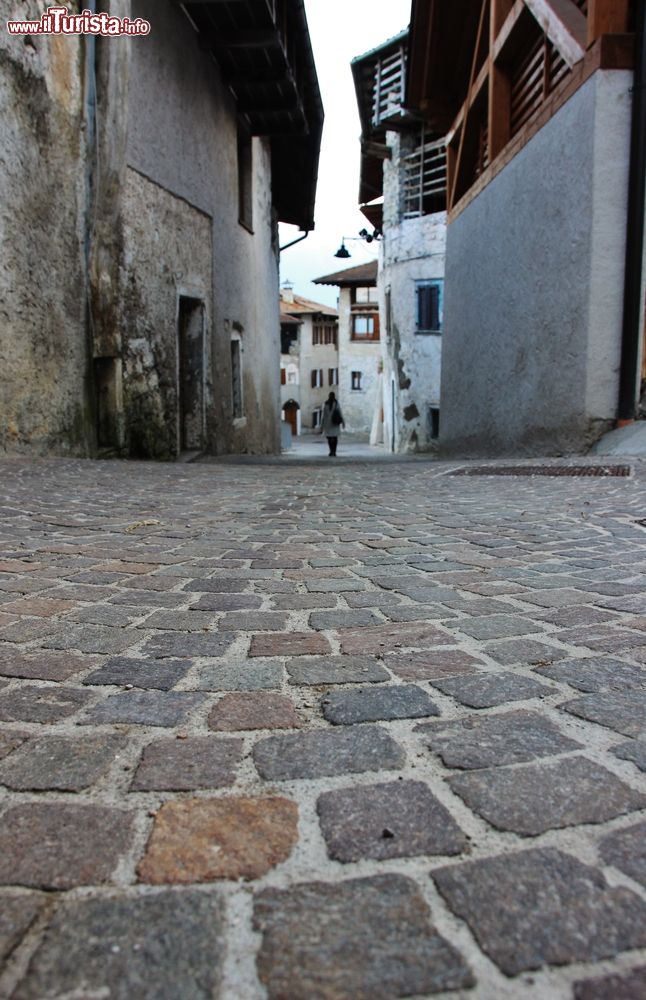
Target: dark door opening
[
  {"x": 191, "y": 374},
  {"x": 290, "y": 410}
]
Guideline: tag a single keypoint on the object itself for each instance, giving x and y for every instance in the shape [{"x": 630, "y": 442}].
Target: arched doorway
[{"x": 290, "y": 413}]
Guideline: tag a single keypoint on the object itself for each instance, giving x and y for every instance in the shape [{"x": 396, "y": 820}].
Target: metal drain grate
[{"x": 544, "y": 470}]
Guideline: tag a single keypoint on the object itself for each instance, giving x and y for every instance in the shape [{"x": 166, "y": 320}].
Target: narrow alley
[{"x": 322, "y": 730}]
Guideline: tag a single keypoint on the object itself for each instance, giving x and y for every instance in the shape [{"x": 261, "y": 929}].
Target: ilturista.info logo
[{"x": 59, "y": 21}]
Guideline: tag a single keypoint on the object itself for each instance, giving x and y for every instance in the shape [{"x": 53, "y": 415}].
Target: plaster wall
[
  {"x": 358, "y": 405},
  {"x": 412, "y": 250},
  {"x": 533, "y": 304},
  {"x": 186, "y": 144},
  {"x": 44, "y": 356},
  {"x": 314, "y": 356}
]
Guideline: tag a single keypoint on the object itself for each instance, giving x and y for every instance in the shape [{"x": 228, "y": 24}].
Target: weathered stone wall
[
  {"x": 355, "y": 355},
  {"x": 187, "y": 145},
  {"x": 168, "y": 253},
  {"x": 412, "y": 250},
  {"x": 314, "y": 356},
  {"x": 535, "y": 268},
  {"x": 44, "y": 358}
]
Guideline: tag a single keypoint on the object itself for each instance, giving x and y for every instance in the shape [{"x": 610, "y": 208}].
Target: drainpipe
[
  {"x": 90, "y": 211},
  {"x": 635, "y": 231},
  {"x": 294, "y": 242}
]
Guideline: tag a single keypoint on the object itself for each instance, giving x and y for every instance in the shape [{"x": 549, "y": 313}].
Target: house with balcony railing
[{"x": 403, "y": 195}]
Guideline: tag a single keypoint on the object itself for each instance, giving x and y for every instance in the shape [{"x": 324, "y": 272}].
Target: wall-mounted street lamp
[{"x": 364, "y": 236}]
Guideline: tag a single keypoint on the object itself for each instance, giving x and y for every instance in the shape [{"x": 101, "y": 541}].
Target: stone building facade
[
  {"x": 403, "y": 194},
  {"x": 313, "y": 349},
  {"x": 147, "y": 178},
  {"x": 360, "y": 362}
]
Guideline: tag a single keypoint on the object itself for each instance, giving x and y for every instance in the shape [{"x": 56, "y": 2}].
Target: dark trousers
[{"x": 332, "y": 443}]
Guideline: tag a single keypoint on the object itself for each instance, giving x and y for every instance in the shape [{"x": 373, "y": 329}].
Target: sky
[{"x": 340, "y": 30}]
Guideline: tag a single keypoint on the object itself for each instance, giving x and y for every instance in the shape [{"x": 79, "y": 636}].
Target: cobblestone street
[{"x": 304, "y": 730}]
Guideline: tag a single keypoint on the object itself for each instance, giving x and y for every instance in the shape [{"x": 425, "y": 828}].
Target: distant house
[
  {"x": 360, "y": 360},
  {"x": 543, "y": 300},
  {"x": 309, "y": 331},
  {"x": 403, "y": 194},
  {"x": 142, "y": 184}
]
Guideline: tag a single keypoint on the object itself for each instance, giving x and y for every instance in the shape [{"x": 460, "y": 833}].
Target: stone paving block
[
  {"x": 186, "y": 765},
  {"x": 289, "y": 644},
  {"x": 478, "y": 607},
  {"x": 149, "y": 599},
  {"x": 434, "y": 663},
  {"x": 597, "y": 673},
  {"x": 523, "y": 651},
  {"x": 396, "y": 819},
  {"x": 358, "y": 618},
  {"x": 634, "y": 604},
  {"x": 43, "y": 666},
  {"x": 532, "y": 798},
  {"x": 337, "y": 670},
  {"x": 484, "y": 690},
  {"x": 570, "y": 617},
  {"x": 39, "y": 607},
  {"x": 323, "y": 753},
  {"x": 556, "y": 909},
  {"x": 144, "y": 708},
  {"x": 335, "y": 585},
  {"x": 200, "y": 840},
  {"x": 253, "y": 710},
  {"x": 634, "y": 751},
  {"x": 372, "y": 600},
  {"x": 629, "y": 986},
  {"x": 25, "y": 631},
  {"x": 154, "y": 947},
  {"x": 402, "y": 701},
  {"x": 103, "y": 614},
  {"x": 218, "y": 585},
  {"x": 55, "y": 845},
  {"x": 17, "y": 914},
  {"x": 385, "y": 638},
  {"x": 554, "y": 598},
  {"x": 160, "y": 674},
  {"x": 41, "y": 704},
  {"x": 157, "y": 583},
  {"x": 604, "y": 638},
  {"x": 251, "y": 621},
  {"x": 626, "y": 850},
  {"x": 179, "y": 621},
  {"x": 60, "y": 763},
  {"x": 243, "y": 676},
  {"x": 190, "y": 644},
  {"x": 9, "y": 740},
  {"x": 303, "y": 602},
  {"x": 369, "y": 939},
  {"x": 418, "y": 613},
  {"x": 623, "y": 711},
  {"x": 227, "y": 602},
  {"x": 85, "y": 593},
  {"x": 494, "y": 740},
  {"x": 495, "y": 626},
  {"x": 93, "y": 639}
]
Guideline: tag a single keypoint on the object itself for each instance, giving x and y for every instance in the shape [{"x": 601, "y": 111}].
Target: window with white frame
[
  {"x": 316, "y": 378},
  {"x": 317, "y": 417},
  {"x": 355, "y": 381},
  {"x": 333, "y": 376},
  {"x": 429, "y": 305}
]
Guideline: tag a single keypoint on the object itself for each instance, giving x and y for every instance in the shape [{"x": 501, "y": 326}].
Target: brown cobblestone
[
  {"x": 253, "y": 710},
  {"x": 289, "y": 644}
]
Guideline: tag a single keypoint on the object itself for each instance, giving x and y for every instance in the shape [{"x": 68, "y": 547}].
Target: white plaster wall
[
  {"x": 323, "y": 356},
  {"x": 358, "y": 406},
  {"x": 534, "y": 287},
  {"x": 187, "y": 143},
  {"x": 412, "y": 250}
]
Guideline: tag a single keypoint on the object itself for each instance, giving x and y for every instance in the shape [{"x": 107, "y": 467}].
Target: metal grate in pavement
[{"x": 544, "y": 470}]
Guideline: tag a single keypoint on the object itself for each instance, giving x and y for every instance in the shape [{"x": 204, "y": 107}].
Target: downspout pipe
[
  {"x": 631, "y": 330},
  {"x": 294, "y": 242}
]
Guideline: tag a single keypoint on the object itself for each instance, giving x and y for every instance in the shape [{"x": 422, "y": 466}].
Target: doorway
[
  {"x": 290, "y": 409},
  {"x": 190, "y": 335}
]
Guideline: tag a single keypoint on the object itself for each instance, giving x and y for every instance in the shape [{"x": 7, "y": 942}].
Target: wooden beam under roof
[{"x": 565, "y": 26}]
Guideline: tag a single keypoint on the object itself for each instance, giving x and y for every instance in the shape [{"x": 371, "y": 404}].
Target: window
[
  {"x": 365, "y": 326},
  {"x": 292, "y": 375},
  {"x": 283, "y": 376},
  {"x": 434, "y": 422},
  {"x": 333, "y": 376},
  {"x": 317, "y": 416},
  {"x": 245, "y": 178},
  {"x": 364, "y": 296},
  {"x": 317, "y": 378},
  {"x": 430, "y": 306},
  {"x": 356, "y": 381},
  {"x": 324, "y": 333},
  {"x": 424, "y": 177},
  {"x": 389, "y": 314},
  {"x": 236, "y": 379}
]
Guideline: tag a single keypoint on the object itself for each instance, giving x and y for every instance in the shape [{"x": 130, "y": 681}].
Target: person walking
[{"x": 332, "y": 422}]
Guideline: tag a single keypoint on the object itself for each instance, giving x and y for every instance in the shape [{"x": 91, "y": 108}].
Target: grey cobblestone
[
  {"x": 316, "y": 754},
  {"x": 480, "y": 690},
  {"x": 626, "y": 850},
  {"x": 404, "y": 701}
]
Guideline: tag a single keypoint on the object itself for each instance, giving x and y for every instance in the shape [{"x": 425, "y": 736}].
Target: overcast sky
[{"x": 340, "y": 30}]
